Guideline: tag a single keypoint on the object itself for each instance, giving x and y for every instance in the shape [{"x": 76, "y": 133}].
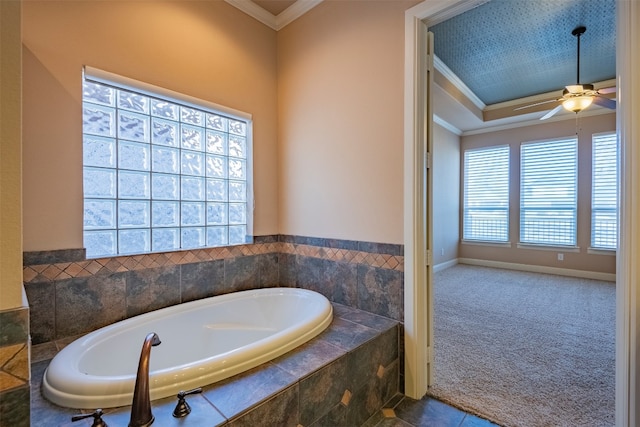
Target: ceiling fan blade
[
  {"x": 551, "y": 113},
  {"x": 604, "y": 102},
  {"x": 533, "y": 105},
  {"x": 606, "y": 90}
]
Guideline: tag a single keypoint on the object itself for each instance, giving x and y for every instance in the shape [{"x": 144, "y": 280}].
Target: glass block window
[
  {"x": 604, "y": 191},
  {"x": 548, "y": 192},
  {"x": 161, "y": 175},
  {"x": 486, "y": 194}
]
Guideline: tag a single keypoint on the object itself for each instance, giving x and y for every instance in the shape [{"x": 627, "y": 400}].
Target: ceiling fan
[{"x": 577, "y": 97}]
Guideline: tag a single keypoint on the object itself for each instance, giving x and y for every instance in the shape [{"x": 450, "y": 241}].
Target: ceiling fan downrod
[{"x": 578, "y": 31}]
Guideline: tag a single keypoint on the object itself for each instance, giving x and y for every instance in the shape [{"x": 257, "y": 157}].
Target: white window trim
[
  {"x": 551, "y": 248},
  {"x": 100, "y": 76},
  {"x": 486, "y": 243},
  {"x": 603, "y": 250},
  {"x": 111, "y": 79},
  {"x": 464, "y": 191},
  {"x": 550, "y": 140}
]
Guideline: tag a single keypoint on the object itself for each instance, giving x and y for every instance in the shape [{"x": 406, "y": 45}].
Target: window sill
[
  {"x": 570, "y": 249},
  {"x": 486, "y": 243},
  {"x": 600, "y": 251}
]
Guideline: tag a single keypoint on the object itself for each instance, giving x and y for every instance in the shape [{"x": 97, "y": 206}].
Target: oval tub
[{"x": 203, "y": 342}]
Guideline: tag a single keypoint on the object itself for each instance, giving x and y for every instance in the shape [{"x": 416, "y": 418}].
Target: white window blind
[
  {"x": 548, "y": 192},
  {"x": 604, "y": 191},
  {"x": 486, "y": 194},
  {"x": 162, "y": 171}
]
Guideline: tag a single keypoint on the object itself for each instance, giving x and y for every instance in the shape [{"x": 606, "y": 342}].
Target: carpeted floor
[{"x": 525, "y": 349}]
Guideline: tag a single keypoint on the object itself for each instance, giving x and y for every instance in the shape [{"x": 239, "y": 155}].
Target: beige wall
[
  {"x": 446, "y": 195},
  {"x": 10, "y": 157},
  {"x": 340, "y": 116},
  {"x": 582, "y": 260},
  {"x": 209, "y": 50}
]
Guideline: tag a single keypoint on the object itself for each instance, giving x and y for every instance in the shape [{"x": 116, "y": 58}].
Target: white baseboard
[
  {"x": 445, "y": 265},
  {"x": 539, "y": 269}
]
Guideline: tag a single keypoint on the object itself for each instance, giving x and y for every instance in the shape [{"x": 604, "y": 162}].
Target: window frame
[
  {"x": 504, "y": 150},
  {"x": 523, "y": 242},
  {"x": 118, "y": 82},
  {"x": 594, "y": 140}
]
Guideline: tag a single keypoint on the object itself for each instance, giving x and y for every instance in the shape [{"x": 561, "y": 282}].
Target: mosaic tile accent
[
  {"x": 14, "y": 348},
  {"x": 14, "y": 367},
  {"x": 34, "y": 273},
  {"x": 75, "y": 297}
]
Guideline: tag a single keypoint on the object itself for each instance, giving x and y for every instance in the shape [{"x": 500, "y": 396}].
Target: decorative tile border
[
  {"x": 14, "y": 367},
  {"x": 264, "y": 245},
  {"x": 62, "y": 294}
]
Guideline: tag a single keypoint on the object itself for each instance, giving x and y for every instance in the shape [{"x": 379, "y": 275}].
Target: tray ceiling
[
  {"x": 500, "y": 54},
  {"x": 509, "y": 49}
]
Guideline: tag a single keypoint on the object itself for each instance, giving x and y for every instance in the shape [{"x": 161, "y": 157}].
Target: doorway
[{"x": 627, "y": 319}]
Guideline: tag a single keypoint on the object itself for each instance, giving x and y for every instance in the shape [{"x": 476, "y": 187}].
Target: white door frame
[
  {"x": 627, "y": 279},
  {"x": 416, "y": 286}
]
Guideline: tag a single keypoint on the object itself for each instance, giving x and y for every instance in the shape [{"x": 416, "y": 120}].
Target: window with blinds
[
  {"x": 604, "y": 191},
  {"x": 486, "y": 194},
  {"x": 548, "y": 192}
]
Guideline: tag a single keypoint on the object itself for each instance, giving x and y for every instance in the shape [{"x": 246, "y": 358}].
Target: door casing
[{"x": 418, "y": 316}]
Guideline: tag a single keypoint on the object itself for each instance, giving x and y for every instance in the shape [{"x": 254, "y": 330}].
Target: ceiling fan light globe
[{"x": 577, "y": 103}]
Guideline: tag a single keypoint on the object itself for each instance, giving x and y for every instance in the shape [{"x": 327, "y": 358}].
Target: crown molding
[
  {"x": 445, "y": 124},
  {"x": 457, "y": 82},
  {"x": 514, "y": 103},
  {"x": 255, "y": 11},
  {"x": 448, "y": 11},
  {"x": 295, "y": 11},
  {"x": 274, "y": 22},
  {"x": 564, "y": 115}
]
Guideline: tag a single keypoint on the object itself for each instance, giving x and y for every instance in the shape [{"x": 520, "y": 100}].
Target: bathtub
[{"x": 203, "y": 342}]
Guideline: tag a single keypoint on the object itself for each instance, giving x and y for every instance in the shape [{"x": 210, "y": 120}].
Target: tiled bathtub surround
[
  {"x": 14, "y": 367},
  {"x": 68, "y": 297},
  {"x": 343, "y": 377}
]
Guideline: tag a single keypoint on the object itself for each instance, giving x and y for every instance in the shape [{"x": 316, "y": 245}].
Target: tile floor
[{"x": 427, "y": 412}]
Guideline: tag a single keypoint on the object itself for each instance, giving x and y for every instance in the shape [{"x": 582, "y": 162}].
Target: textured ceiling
[{"x": 509, "y": 49}]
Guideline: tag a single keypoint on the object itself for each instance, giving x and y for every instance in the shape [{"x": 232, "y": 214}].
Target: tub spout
[{"x": 141, "y": 415}]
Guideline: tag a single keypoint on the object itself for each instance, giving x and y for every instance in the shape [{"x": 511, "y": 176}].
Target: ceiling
[
  {"x": 501, "y": 55},
  {"x": 509, "y": 49},
  {"x": 506, "y": 54}
]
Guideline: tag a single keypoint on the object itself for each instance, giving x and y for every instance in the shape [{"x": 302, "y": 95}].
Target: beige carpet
[{"x": 525, "y": 349}]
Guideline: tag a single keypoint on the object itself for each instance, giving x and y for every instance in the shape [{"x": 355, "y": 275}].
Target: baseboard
[
  {"x": 539, "y": 269},
  {"x": 445, "y": 265}
]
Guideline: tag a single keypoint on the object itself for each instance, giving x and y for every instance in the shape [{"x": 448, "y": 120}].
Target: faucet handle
[
  {"x": 97, "y": 418},
  {"x": 182, "y": 408}
]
